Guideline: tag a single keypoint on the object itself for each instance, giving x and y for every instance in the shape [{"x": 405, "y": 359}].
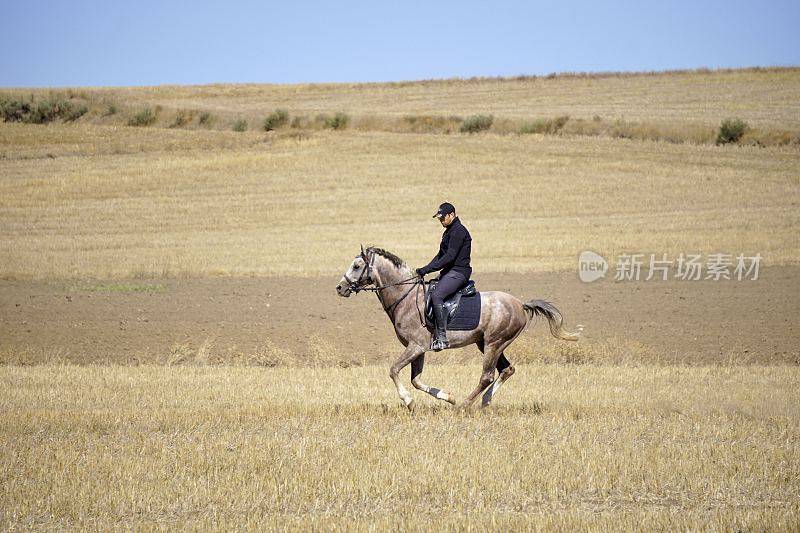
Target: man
[{"x": 453, "y": 260}]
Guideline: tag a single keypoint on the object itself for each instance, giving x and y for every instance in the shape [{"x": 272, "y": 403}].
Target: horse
[{"x": 401, "y": 292}]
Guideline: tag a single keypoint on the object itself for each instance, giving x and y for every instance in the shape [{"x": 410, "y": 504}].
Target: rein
[
  {"x": 410, "y": 281},
  {"x": 415, "y": 283}
]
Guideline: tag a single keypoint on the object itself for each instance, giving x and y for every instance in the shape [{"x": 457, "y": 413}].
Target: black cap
[{"x": 445, "y": 209}]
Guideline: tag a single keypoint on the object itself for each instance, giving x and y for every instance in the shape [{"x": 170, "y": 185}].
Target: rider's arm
[{"x": 441, "y": 261}]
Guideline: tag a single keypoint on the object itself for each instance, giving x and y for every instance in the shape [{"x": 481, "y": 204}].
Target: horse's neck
[{"x": 388, "y": 275}]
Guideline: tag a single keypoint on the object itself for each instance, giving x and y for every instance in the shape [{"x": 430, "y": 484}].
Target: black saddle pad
[{"x": 468, "y": 314}]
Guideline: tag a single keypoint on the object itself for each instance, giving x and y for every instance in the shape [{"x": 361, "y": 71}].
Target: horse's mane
[{"x": 393, "y": 259}]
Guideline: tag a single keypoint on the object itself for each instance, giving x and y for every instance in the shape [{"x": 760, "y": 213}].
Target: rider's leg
[{"x": 448, "y": 284}]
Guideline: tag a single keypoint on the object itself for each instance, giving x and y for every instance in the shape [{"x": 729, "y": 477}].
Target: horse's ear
[{"x": 363, "y": 253}]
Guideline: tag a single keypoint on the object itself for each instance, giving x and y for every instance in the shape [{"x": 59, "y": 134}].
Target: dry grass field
[
  {"x": 173, "y": 355},
  {"x": 169, "y": 204},
  {"x": 763, "y": 97},
  {"x": 564, "y": 447},
  {"x": 93, "y": 199}
]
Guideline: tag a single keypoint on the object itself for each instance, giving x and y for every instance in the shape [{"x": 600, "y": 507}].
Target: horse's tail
[{"x": 554, "y": 318}]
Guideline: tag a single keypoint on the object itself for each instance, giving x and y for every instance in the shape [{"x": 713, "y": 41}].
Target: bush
[
  {"x": 550, "y": 126},
  {"x": 206, "y": 119},
  {"x": 557, "y": 123},
  {"x": 111, "y": 110},
  {"x": 477, "y": 123},
  {"x": 537, "y": 126},
  {"x": 240, "y": 125},
  {"x": 336, "y": 122},
  {"x": 731, "y": 130},
  {"x": 183, "y": 118},
  {"x": 42, "y": 112},
  {"x": 145, "y": 117},
  {"x": 45, "y": 111},
  {"x": 276, "y": 119},
  {"x": 300, "y": 122},
  {"x": 75, "y": 113},
  {"x": 431, "y": 123},
  {"x": 14, "y": 110}
]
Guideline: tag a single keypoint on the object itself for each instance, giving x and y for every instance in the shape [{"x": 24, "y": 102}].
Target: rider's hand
[{"x": 421, "y": 272}]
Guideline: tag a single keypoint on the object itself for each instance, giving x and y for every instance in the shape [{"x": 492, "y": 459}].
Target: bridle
[{"x": 360, "y": 284}]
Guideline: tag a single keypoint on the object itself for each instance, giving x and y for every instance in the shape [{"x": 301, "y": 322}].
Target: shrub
[
  {"x": 145, "y": 117},
  {"x": 731, "y": 130},
  {"x": 477, "y": 123},
  {"x": 42, "y": 112},
  {"x": 111, "y": 110},
  {"x": 183, "y": 118},
  {"x": 337, "y": 122},
  {"x": 431, "y": 123},
  {"x": 45, "y": 111},
  {"x": 276, "y": 119},
  {"x": 555, "y": 125},
  {"x": 240, "y": 125},
  {"x": 14, "y": 110},
  {"x": 537, "y": 126},
  {"x": 206, "y": 119},
  {"x": 549, "y": 126},
  {"x": 75, "y": 113},
  {"x": 299, "y": 122}
]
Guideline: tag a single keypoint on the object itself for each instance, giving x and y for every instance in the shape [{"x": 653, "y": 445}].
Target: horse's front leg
[
  {"x": 409, "y": 354},
  {"x": 416, "y": 371}
]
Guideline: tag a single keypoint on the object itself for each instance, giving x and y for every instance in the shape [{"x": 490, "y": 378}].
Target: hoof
[
  {"x": 451, "y": 399},
  {"x": 411, "y": 406},
  {"x": 507, "y": 373}
]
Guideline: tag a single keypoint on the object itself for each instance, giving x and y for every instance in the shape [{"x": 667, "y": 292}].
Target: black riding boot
[{"x": 440, "y": 342}]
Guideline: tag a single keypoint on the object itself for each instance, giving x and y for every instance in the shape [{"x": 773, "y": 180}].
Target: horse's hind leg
[
  {"x": 416, "y": 371},
  {"x": 503, "y": 363},
  {"x": 505, "y": 371},
  {"x": 490, "y": 357}
]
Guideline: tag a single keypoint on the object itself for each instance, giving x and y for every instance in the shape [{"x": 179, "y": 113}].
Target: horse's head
[{"x": 358, "y": 276}]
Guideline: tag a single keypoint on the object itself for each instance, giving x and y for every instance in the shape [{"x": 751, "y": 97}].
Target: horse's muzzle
[{"x": 343, "y": 290}]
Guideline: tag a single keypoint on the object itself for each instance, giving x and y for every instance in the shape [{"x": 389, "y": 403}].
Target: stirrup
[{"x": 437, "y": 345}]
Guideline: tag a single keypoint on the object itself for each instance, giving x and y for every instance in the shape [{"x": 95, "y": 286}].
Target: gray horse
[{"x": 400, "y": 292}]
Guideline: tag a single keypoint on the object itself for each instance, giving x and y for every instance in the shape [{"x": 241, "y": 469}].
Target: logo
[{"x": 591, "y": 266}]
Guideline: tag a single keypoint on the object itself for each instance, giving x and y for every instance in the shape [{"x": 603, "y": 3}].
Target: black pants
[{"x": 448, "y": 284}]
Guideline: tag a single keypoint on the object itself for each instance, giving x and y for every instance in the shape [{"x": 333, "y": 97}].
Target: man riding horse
[
  {"x": 503, "y": 317},
  {"x": 453, "y": 261}
]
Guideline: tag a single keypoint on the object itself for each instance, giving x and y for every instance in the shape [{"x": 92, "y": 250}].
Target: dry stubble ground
[
  {"x": 567, "y": 447},
  {"x": 300, "y": 208}
]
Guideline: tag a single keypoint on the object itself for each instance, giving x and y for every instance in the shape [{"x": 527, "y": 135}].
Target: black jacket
[{"x": 454, "y": 251}]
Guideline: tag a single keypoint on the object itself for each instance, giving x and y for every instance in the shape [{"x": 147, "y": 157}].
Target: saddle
[{"x": 451, "y": 304}]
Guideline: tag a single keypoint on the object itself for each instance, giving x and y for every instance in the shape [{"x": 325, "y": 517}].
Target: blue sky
[{"x": 108, "y": 43}]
